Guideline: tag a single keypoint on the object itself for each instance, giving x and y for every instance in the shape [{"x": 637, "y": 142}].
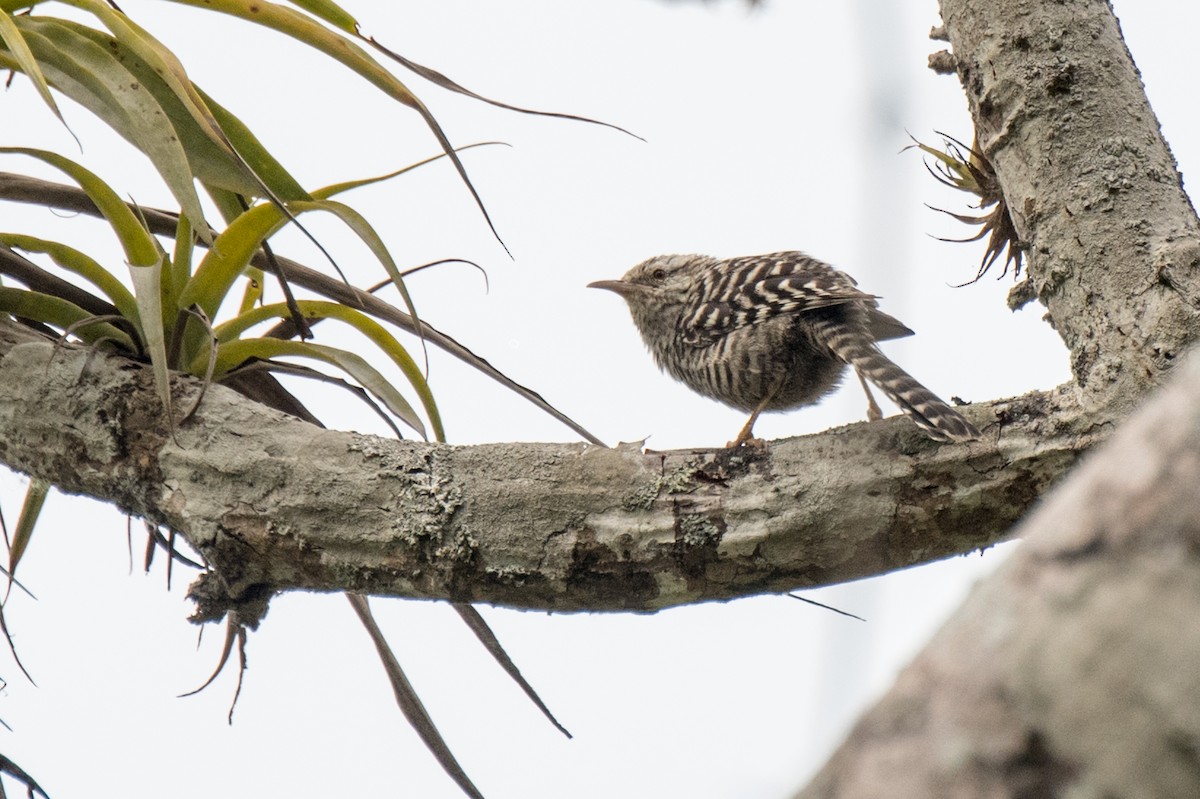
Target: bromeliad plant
[
  {"x": 968, "y": 170},
  {"x": 175, "y": 311},
  {"x": 167, "y": 317}
]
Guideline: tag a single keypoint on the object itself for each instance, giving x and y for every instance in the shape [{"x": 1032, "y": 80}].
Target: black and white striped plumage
[{"x": 772, "y": 332}]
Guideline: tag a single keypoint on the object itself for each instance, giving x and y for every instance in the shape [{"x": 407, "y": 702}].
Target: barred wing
[{"x": 744, "y": 291}]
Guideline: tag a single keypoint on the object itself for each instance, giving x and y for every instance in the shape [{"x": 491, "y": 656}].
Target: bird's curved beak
[{"x": 615, "y": 286}]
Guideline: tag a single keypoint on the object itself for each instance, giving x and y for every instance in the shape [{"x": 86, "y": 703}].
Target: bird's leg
[
  {"x": 873, "y": 412},
  {"x": 747, "y": 431},
  {"x": 746, "y": 435}
]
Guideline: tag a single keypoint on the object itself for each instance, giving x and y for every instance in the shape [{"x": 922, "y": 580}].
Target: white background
[{"x": 765, "y": 130}]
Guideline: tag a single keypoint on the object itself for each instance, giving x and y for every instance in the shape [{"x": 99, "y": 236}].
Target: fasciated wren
[{"x": 771, "y": 333}]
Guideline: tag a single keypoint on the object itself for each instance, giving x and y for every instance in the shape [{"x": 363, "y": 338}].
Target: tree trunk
[{"x": 1072, "y": 670}]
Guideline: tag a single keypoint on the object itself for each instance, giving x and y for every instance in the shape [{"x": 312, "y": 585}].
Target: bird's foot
[{"x": 748, "y": 441}]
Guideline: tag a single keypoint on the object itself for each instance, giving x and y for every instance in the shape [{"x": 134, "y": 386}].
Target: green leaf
[
  {"x": 35, "y": 498},
  {"x": 181, "y": 261},
  {"x": 233, "y": 353},
  {"x": 141, "y": 248},
  {"x": 81, "y": 264},
  {"x": 306, "y": 30},
  {"x": 10, "y": 34},
  {"x": 84, "y": 64},
  {"x": 236, "y": 245},
  {"x": 332, "y": 13},
  {"x": 228, "y": 202},
  {"x": 377, "y": 333},
  {"x": 253, "y": 293},
  {"x": 147, "y": 288},
  {"x": 230, "y": 254},
  {"x": 255, "y": 155},
  {"x": 362, "y": 228},
  {"x": 12, "y": 6},
  {"x": 60, "y": 313}
]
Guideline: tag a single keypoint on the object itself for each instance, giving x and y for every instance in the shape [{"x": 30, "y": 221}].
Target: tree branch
[{"x": 274, "y": 503}]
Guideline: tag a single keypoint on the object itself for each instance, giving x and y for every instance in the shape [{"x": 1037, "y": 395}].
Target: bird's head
[{"x": 658, "y": 286}]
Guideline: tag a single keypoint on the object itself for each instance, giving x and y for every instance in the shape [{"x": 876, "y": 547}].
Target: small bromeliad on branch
[{"x": 967, "y": 169}]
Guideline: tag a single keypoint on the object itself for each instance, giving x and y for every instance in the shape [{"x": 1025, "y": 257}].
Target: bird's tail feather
[{"x": 939, "y": 421}]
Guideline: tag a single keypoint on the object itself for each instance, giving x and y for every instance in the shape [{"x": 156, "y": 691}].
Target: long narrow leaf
[
  {"x": 333, "y": 189},
  {"x": 15, "y": 771},
  {"x": 95, "y": 71},
  {"x": 478, "y": 625},
  {"x": 438, "y": 79},
  {"x": 140, "y": 247},
  {"x": 35, "y": 498},
  {"x": 181, "y": 260},
  {"x": 362, "y": 228},
  {"x": 60, "y": 313},
  {"x": 80, "y": 264},
  {"x": 206, "y": 379},
  {"x": 332, "y": 13},
  {"x": 230, "y": 203},
  {"x": 229, "y": 255},
  {"x": 241, "y": 240},
  {"x": 252, "y": 152},
  {"x": 36, "y": 278},
  {"x": 147, "y": 285},
  {"x": 308, "y": 31},
  {"x": 379, "y": 336},
  {"x": 11, "y": 36},
  {"x": 253, "y": 293},
  {"x": 338, "y": 17},
  {"x": 256, "y": 370},
  {"x": 257, "y": 381},
  {"x": 233, "y": 353},
  {"x": 410, "y": 704}
]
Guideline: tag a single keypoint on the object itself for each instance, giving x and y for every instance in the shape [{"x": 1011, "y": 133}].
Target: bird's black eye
[{"x": 659, "y": 274}]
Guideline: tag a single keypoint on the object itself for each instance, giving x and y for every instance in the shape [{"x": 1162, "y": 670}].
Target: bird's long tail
[{"x": 939, "y": 421}]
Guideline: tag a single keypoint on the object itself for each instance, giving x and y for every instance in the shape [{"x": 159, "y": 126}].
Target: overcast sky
[{"x": 774, "y": 129}]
